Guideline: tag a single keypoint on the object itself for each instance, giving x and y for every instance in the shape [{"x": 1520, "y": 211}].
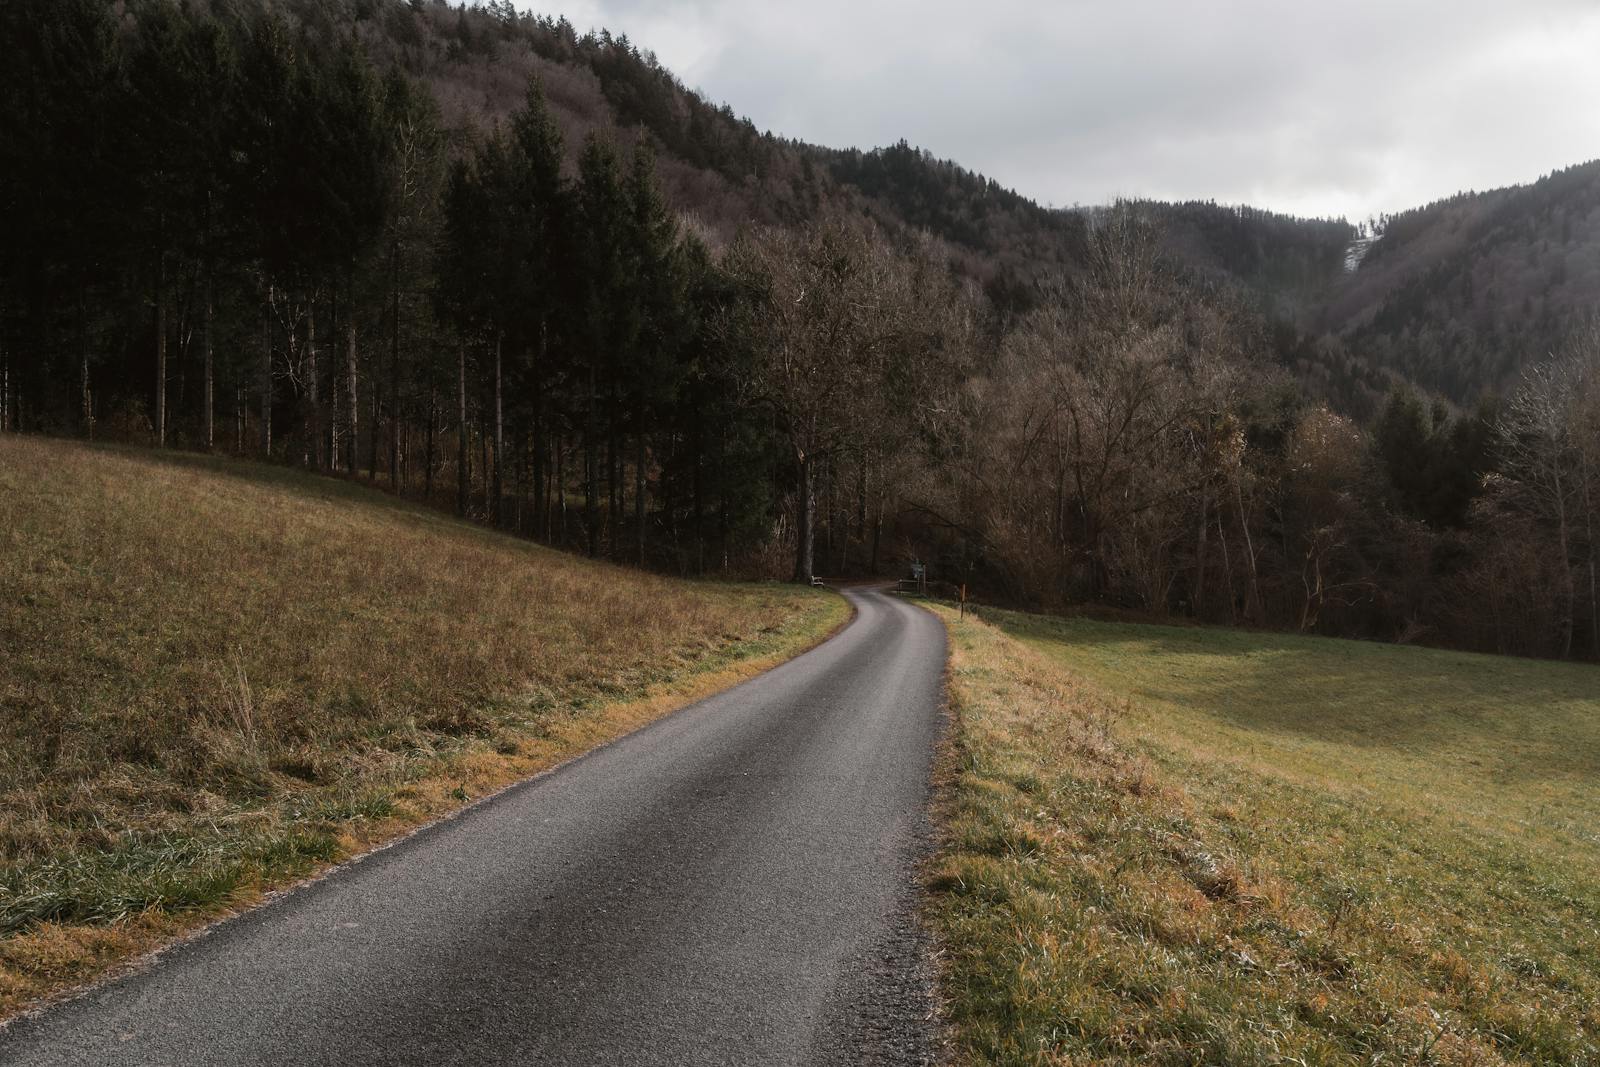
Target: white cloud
[{"x": 1329, "y": 108}]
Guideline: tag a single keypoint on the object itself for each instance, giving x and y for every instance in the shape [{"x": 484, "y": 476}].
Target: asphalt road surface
[{"x": 732, "y": 885}]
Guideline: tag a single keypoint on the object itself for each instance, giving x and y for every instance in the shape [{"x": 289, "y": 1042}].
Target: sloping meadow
[
  {"x": 1203, "y": 846},
  {"x": 218, "y": 676}
]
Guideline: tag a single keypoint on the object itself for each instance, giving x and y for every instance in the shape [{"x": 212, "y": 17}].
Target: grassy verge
[
  {"x": 1200, "y": 846},
  {"x": 219, "y": 678}
]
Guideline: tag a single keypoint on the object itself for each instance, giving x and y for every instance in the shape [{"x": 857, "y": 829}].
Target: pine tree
[
  {"x": 542, "y": 211},
  {"x": 414, "y": 178},
  {"x": 608, "y": 317},
  {"x": 658, "y": 296},
  {"x": 59, "y": 179},
  {"x": 177, "y": 110}
]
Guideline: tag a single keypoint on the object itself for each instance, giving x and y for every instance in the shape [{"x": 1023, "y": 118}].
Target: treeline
[{"x": 1132, "y": 445}]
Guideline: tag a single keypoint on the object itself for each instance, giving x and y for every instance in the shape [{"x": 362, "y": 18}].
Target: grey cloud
[{"x": 1326, "y": 108}]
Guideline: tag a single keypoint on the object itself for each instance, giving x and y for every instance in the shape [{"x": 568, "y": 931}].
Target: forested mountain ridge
[
  {"x": 1456, "y": 298},
  {"x": 714, "y": 165},
  {"x": 1463, "y": 294}
]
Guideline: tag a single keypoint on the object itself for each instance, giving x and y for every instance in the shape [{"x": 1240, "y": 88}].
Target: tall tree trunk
[
  {"x": 805, "y": 527},
  {"x": 541, "y": 503},
  {"x": 1197, "y": 597},
  {"x": 427, "y": 477},
  {"x": 861, "y": 498},
  {"x": 1589, "y": 536},
  {"x": 613, "y": 461},
  {"x": 210, "y": 365},
  {"x": 405, "y": 457},
  {"x": 1586, "y": 476},
  {"x": 1253, "y": 607},
  {"x": 85, "y": 397},
  {"x": 5, "y": 385},
  {"x": 1227, "y": 570},
  {"x": 352, "y": 389},
  {"x": 1569, "y": 587},
  {"x": 524, "y": 493},
  {"x": 313, "y": 390},
  {"x": 591, "y": 503},
  {"x": 826, "y": 475},
  {"x": 461, "y": 417},
  {"x": 161, "y": 349},
  {"x": 638, "y": 484},
  {"x": 724, "y": 521},
  {"x": 394, "y": 368},
  {"x": 561, "y": 490},
  {"x": 877, "y": 521},
  {"x": 496, "y": 475},
  {"x": 266, "y": 379},
  {"x": 1058, "y": 514},
  {"x": 330, "y": 435},
  {"x": 697, "y": 505},
  {"x": 373, "y": 436}
]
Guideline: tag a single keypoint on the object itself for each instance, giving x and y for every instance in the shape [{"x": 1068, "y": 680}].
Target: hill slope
[
  {"x": 219, "y": 675},
  {"x": 714, "y": 165},
  {"x": 1461, "y": 295}
]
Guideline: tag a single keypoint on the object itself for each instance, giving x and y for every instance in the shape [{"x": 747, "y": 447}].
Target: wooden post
[{"x": 963, "y": 600}]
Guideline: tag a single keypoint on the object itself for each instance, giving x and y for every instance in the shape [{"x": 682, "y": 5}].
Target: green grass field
[
  {"x": 1186, "y": 845},
  {"x": 219, "y": 676}
]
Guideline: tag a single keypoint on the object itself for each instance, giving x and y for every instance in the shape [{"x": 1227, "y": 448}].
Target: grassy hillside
[
  {"x": 1192, "y": 845},
  {"x": 218, "y": 676}
]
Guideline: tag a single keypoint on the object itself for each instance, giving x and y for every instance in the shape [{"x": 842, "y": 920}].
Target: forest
[{"x": 479, "y": 259}]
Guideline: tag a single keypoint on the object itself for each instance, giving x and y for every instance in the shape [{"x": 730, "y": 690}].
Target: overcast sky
[{"x": 1318, "y": 108}]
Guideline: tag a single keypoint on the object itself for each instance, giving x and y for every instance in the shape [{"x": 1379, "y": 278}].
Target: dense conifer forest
[{"x": 487, "y": 260}]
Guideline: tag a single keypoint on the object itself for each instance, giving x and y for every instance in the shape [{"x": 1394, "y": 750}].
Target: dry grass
[
  {"x": 1194, "y": 846},
  {"x": 219, "y": 677}
]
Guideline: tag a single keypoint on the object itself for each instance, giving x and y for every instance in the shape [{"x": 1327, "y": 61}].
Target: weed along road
[{"x": 732, "y": 885}]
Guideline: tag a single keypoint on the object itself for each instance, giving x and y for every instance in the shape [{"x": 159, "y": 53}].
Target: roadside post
[{"x": 963, "y": 600}]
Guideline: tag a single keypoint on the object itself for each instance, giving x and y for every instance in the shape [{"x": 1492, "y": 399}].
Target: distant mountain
[
  {"x": 1292, "y": 263},
  {"x": 715, "y": 165},
  {"x": 1457, "y": 297},
  {"x": 1461, "y": 295}
]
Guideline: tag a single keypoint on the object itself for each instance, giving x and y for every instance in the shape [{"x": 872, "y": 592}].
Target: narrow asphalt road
[{"x": 732, "y": 885}]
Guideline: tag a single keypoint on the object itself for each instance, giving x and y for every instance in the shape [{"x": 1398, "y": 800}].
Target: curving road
[{"x": 732, "y": 885}]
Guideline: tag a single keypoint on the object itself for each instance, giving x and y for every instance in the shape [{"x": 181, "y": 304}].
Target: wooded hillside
[
  {"x": 482, "y": 260},
  {"x": 1464, "y": 294}
]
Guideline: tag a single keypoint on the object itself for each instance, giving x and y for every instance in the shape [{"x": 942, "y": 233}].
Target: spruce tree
[{"x": 608, "y": 317}]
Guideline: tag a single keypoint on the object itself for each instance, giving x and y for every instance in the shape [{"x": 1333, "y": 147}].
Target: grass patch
[
  {"x": 1198, "y": 846},
  {"x": 220, "y": 676}
]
